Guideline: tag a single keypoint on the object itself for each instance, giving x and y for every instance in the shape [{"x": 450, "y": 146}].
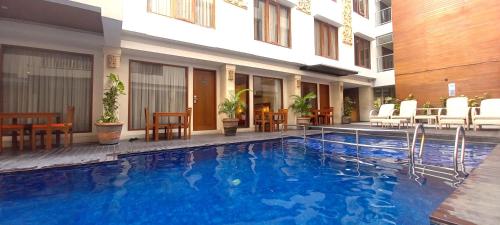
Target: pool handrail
[{"x": 459, "y": 134}]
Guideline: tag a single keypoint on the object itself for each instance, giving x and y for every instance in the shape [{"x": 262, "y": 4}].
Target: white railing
[
  {"x": 384, "y": 16},
  {"x": 385, "y": 62}
]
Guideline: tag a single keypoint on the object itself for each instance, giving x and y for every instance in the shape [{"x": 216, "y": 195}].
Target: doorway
[
  {"x": 204, "y": 100},
  {"x": 353, "y": 93}
]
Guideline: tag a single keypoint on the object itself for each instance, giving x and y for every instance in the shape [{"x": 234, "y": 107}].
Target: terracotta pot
[
  {"x": 108, "y": 133},
  {"x": 303, "y": 121},
  {"x": 346, "y": 119},
  {"x": 230, "y": 126}
]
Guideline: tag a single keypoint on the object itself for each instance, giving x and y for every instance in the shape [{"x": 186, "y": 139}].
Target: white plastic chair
[
  {"x": 407, "y": 112},
  {"x": 457, "y": 112},
  {"x": 385, "y": 112},
  {"x": 489, "y": 113}
]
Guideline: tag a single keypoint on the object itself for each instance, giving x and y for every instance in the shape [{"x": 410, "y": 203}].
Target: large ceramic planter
[
  {"x": 230, "y": 126},
  {"x": 303, "y": 121},
  {"x": 108, "y": 133},
  {"x": 346, "y": 119}
]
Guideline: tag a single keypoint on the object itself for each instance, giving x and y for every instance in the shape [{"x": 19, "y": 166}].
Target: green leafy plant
[
  {"x": 476, "y": 100},
  {"x": 302, "y": 104},
  {"x": 377, "y": 103},
  {"x": 410, "y": 97},
  {"x": 348, "y": 106},
  {"x": 427, "y": 105},
  {"x": 230, "y": 105},
  {"x": 110, "y": 100}
]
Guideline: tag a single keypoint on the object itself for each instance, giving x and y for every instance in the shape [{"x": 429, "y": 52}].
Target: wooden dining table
[
  {"x": 47, "y": 116},
  {"x": 182, "y": 118},
  {"x": 325, "y": 114}
]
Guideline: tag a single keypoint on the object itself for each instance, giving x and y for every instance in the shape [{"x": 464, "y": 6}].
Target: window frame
[
  {"x": 266, "y": 34},
  {"x": 365, "y": 44},
  {"x": 91, "y": 108},
  {"x": 192, "y": 20},
  {"x": 186, "y": 71},
  {"x": 325, "y": 27},
  {"x": 356, "y": 7}
]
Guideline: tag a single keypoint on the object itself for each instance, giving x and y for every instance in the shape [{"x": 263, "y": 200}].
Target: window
[
  {"x": 361, "y": 7},
  {"x": 326, "y": 42},
  {"x": 267, "y": 93},
  {"x": 161, "y": 88},
  {"x": 201, "y": 12},
  {"x": 385, "y": 53},
  {"x": 272, "y": 22},
  {"x": 385, "y": 94},
  {"x": 362, "y": 52},
  {"x": 36, "y": 80},
  {"x": 241, "y": 83}
]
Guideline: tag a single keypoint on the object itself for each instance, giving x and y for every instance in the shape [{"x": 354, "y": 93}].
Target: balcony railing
[
  {"x": 384, "y": 16},
  {"x": 385, "y": 62}
]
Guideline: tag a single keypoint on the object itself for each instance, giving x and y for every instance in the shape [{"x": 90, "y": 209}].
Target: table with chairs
[
  {"x": 270, "y": 121},
  {"x": 44, "y": 124},
  {"x": 181, "y": 121},
  {"x": 322, "y": 116}
]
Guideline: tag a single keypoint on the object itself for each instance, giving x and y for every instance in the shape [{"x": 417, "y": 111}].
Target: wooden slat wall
[{"x": 439, "y": 42}]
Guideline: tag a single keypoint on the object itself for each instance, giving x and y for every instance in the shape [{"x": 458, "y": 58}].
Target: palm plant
[
  {"x": 302, "y": 104},
  {"x": 232, "y": 104}
]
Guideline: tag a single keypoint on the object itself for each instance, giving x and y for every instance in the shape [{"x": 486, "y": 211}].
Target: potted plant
[
  {"x": 302, "y": 106},
  {"x": 348, "y": 107},
  {"x": 229, "y": 107},
  {"x": 108, "y": 127}
]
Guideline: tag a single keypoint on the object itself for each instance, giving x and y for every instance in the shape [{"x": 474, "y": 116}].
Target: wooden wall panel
[{"x": 448, "y": 39}]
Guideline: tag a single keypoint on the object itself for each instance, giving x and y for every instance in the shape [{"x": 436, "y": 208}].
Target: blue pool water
[{"x": 249, "y": 183}]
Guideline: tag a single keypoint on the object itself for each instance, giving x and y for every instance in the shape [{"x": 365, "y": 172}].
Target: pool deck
[{"x": 476, "y": 201}]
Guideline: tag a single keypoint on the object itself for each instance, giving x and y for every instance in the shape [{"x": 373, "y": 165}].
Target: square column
[
  {"x": 293, "y": 88},
  {"x": 337, "y": 100},
  {"x": 227, "y": 87},
  {"x": 365, "y": 102}
]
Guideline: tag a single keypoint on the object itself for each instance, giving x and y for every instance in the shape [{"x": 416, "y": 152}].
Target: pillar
[
  {"x": 293, "y": 88},
  {"x": 365, "y": 102},
  {"x": 337, "y": 100},
  {"x": 227, "y": 87}
]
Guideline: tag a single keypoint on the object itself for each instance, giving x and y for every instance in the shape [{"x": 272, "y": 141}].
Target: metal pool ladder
[{"x": 456, "y": 172}]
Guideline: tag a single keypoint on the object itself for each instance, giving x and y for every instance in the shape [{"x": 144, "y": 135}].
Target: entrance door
[
  {"x": 353, "y": 93},
  {"x": 204, "y": 102},
  {"x": 324, "y": 96}
]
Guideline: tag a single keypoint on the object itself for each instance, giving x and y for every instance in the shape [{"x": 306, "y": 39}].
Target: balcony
[
  {"x": 384, "y": 16},
  {"x": 385, "y": 63}
]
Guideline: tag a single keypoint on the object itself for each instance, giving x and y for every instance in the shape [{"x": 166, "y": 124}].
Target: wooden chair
[
  {"x": 281, "y": 119},
  {"x": 66, "y": 127},
  {"x": 326, "y": 116},
  {"x": 259, "y": 120},
  {"x": 151, "y": 126},
  {"x": 187, "y": 125},
  {"x": 18, "y": 128}
]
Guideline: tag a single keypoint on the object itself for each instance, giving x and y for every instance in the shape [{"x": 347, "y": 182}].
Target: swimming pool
[{"x": 266, "y": 182}]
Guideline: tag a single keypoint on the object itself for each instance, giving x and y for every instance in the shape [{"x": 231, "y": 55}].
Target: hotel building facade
[{"x": 173, "y": 54}]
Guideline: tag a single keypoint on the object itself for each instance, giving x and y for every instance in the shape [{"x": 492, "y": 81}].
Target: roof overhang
[{"x": 329, "y": 70}]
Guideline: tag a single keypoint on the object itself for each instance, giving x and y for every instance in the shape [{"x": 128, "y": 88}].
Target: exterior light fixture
[{"x": 230, "y": 75}]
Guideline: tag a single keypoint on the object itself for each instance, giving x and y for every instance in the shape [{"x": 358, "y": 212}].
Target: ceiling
[{"x": 45, "y": 12}]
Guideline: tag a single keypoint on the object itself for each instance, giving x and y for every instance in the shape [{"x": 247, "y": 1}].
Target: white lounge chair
[
  {"x": 457, "y": 112},
  {"x": 407, "y": 112},
  {"x": 384, "y": 113},
  {"x": 489, "y": 113}
]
